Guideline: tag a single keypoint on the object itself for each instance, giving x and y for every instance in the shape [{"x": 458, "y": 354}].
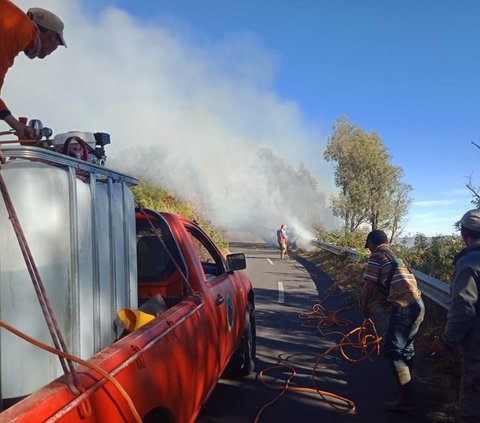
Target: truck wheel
[{"x": 243, "y": 360}]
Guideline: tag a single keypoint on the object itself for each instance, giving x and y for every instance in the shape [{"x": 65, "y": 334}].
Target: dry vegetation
[{"x": 152, "y": 196}]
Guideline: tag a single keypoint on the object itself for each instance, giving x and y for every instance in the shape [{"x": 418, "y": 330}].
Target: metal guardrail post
[{"x": 437, "y": 290}]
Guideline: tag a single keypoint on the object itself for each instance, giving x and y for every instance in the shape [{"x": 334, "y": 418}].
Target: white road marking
[
  {"x": 270, "y": 261},
  {"x": 281, "y": 293}
]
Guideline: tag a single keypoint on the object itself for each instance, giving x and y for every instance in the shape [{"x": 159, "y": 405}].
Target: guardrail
[{"x": 437, "y": 290}]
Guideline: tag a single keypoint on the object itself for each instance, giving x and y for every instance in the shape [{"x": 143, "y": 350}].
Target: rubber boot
[
  {"x": 410, "y": 366},
  {"x": 405, "y": 401}
]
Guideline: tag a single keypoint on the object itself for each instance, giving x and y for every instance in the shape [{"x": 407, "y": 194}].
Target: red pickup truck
[{"x": 115, "y": 259}]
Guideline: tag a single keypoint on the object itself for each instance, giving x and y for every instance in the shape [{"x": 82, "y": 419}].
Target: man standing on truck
[
  {"x": 37, "y": 33},
  {"x": 394, "y": 281},
  {"x": 462, "y": 328},
  {"x": 282, "y": 240}
]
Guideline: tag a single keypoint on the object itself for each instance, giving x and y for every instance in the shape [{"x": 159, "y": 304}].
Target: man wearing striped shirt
[{"x": 388, "y": 274}]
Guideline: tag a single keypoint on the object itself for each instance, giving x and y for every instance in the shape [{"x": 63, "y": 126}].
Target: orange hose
[
  {"x": 368, "y": 342},
  {"x": 349, "y": 406},
  {"x": 324, "y": 318},
  {"x": 78, "y": 360}
]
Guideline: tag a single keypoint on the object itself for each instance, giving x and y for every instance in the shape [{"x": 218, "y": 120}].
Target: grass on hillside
[{"x": 154, "y": 197}]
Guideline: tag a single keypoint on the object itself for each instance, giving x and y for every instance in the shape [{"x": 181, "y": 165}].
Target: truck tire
[{"x": 242, "y": 362}]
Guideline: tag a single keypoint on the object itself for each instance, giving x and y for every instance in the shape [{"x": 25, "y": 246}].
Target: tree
[
  {"x": 298, "y": 191},
  {"x": 371, "y": 190},
  {"x": 401, "y": 202}
]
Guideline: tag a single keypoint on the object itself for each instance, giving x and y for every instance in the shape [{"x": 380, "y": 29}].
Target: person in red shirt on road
[{"x": 37, "y": 33}]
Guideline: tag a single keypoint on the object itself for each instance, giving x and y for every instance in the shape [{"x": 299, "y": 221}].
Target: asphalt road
[{"x": 284, "y": 290}]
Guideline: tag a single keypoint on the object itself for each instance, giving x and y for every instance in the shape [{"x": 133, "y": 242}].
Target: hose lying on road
[
  {"x": 367, "y": 342},
  {"x": 322, "y": 318}
]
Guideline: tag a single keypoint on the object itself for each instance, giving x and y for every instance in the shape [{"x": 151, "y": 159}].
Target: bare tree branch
[{"x": 474, "y": 191}]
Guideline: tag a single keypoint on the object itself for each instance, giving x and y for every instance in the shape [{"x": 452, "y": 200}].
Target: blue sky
[{"x": 408, "y": 70}]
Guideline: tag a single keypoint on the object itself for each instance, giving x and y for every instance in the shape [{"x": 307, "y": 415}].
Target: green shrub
[
  {"x": 352, "y": 240},
  {"x": 433, "y": 258}
]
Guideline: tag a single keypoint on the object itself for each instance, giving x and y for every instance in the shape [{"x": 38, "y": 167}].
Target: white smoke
[{"x": 192, "y": 117}]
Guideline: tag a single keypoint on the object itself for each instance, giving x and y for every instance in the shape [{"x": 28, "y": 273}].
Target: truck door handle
[{"x": 219, "y": 300}]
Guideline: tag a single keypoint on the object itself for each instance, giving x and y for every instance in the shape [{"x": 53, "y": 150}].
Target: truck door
[{"x": 220, "y": 285}]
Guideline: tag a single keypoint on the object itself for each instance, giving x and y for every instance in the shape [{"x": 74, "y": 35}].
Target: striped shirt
[{"x": 403, "y": 288}]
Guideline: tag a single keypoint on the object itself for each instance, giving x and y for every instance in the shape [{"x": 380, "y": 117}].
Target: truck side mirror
[{"x": 236, "y": 261}]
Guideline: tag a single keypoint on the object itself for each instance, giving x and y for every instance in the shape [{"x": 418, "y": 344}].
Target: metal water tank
[{"x": 81, "y": 232}]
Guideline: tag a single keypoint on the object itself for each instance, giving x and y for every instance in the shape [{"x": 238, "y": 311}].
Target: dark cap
[
  {"x": 377, "y": 237},
  {"x": 471, "y": 220}
]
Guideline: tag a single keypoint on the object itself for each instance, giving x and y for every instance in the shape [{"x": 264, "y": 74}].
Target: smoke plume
[{"x": 199, "y": 118}]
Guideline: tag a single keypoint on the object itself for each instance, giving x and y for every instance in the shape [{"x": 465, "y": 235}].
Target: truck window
[
  {"x": 161, "y": 269},
  {"x": 212, "y": 262},
  {"x": 154, "y": 261}
]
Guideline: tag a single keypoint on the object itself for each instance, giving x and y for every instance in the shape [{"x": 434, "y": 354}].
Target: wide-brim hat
[{"x": 49, "y": 20}]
